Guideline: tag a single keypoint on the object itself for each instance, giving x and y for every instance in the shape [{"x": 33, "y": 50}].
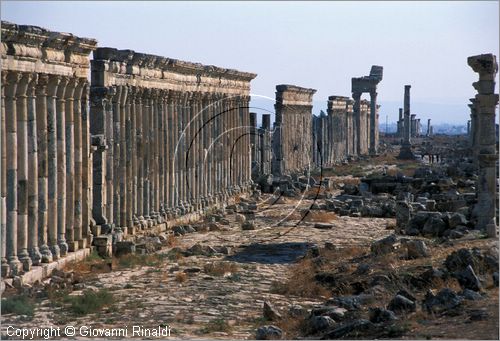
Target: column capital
[
  {"x": 22, "y": 85},
  {"x": 61, "y": 89},
  {"x": 43, "y": 81},
  {"x": 79, "y": 87},
  {"x": 70, "y": 88},
  {"x": 356, "y": 96},
  {"x": 32, "y": 85},
  {"x": 52, "y": 85}
]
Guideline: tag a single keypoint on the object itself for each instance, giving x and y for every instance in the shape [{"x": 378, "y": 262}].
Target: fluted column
[
  {"x": 41, "y": 127},
  {"x": 161, "y": 155},
  {"x": 11, "y": 173},
  {"x": 128, "y": 151},
  {"x": 87, "y": 169},
  {"x": 3, "y": 182},
  {"x": 78, "y": 160},
  {"x": 133, "y": 147},
  {"x": 22, "y": 170},
  {"x": 171, "y": 146},
  {"x": 357, "y": 117},
  {"x": 122, "y": 174},
  {"x": 52, "y": 166},
  {"x": 139, "y": 156},
  {"x": 61, "y": 166},
  {"x": 70, "y": 164},
  {"x": 33, "y": 249},
  {"x": 145, "y": 159},
  {"x": 115, "y": 155}
]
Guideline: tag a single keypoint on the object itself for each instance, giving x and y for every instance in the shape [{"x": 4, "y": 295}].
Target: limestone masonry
[{"x": 149, "y": 140}]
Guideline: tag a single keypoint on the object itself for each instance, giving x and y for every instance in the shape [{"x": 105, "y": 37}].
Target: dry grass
[
  {"x": 293, "y": 327},
  {"x": 301, "y": 282},
  {"x": 172, "y": 241},
  {"x": 220, "y": 268},
  {"x": 181, "y": 277}
]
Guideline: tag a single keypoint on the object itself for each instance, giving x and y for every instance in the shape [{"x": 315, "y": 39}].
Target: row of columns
[
  {"x": 260, "y": 141},
  {"x": 164, "y": 153},
  {"x": 44, "y": 148}
]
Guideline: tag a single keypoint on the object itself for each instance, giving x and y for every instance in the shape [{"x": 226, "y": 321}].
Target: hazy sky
[{"x": 312, "y": 44}]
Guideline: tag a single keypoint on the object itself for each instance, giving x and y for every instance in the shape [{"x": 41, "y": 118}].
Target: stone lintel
[
  {"x": 294, "y": 95},
  {"x": 33, "y": 42}
]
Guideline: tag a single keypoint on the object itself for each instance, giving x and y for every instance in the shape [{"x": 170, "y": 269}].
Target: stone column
[
  {"x": 486, "y": 102},
  {"x": 373, "y": 122},
  {"x": 98, "y": 110},
  {"x": 146, "y": 154},
  {"x": 3, "y": 182},
  {"x": 357, "y": 117},
  {"x": 474, "y": 141},
  {"x": 139, "y": 155},
  {"x": 70, "y": 164},
  {"x": 22, "y": 170},
  {"x": 406, "y": 152},
  {"x": 129, "y": 154},
  {"x": 428, "y": 127},
  {"x": 61, "y": 166},
  {"x": 413, "y": 125},
  {"x": 400, "y": 123},
  {"x": 115, "y": 178},
  {"x": 87, "y": 169},
  {"x": 33, "y": 249},
  {"x": 52, "y": 174},
  {"x": 161, "y": 153},
  {"x": 123, "y": 159},
  {"x": 11, "y": 84},
  {"x": 134, "y": 94},
  {"x": 78, "y": 160}
]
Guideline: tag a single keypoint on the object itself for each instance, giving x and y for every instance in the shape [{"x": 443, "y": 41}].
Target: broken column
[
  {"x": 293, "y": 143},
  {"x": 486, "y": 102},
  {"x": 406, "y": 153}
]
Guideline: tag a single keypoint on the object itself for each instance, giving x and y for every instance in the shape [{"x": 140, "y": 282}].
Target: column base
[
  {"x": 5, "y": 268},
  {"x": 15, "y": 266},
  {"x": 63, "y": 247},
  {"x": 46, "y": 254},
  {"x": 35, "y": 255},
  {"x": 73, "y": 246},
  {"x": 25, "y": 259},
  {"x": 56, "y": 252}
]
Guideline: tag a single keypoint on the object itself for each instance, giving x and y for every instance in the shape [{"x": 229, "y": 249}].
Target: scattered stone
[
  {"x": 320, "y": 323},
  {"x": 471, "y": 295},
  {"x": 248, "y": 225},
  {"x": 416, "y": 249},
  {"x": 124, "y": 247},
  {"x": 179, "y": 230},
  {"x": 296, "y": 310},
  {"x": 240, "y": 218},
  {"x": 468, "y": 279},
  {"x": 385, "y": 245},
  {"x": 270, "y": 313},
  {"x": 351, "y": 328},
  {"x": 457, "y": 219},
  {"x": 378, "y": 315},
  {"x": 402, "y": 304},
  {"x": 445, "y": 300},
  {"x": 268, "y": 333},
  {"x": 323, "y": 226},
  {"x": 201, "y": 250}
]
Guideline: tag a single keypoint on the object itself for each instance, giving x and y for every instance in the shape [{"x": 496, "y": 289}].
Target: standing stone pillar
[
  {"x": 61, "y": 166},
  {"x": 123, "y": 159},
  {"x": 400, "y": 123},
  {"x": 98, "y": 109},
  {"x": 428, "y": 127},
  {"x": 129, "y": 154},
  {"x": 474, "y": 140},
  {"x": 133, "y": 154},
  {"x": 114, "y": 157},
  {"x": 78, "y": 160},
  {"x": 486, "y": 102},
  {"x": 11, "y": 84},
  {"x": 406, "y": 152},
  {"x": 171, "y": 149},
  {"x": 52, "y": 174},
  {"x": 357, "y": 117},
  {"x": 145, "y": 159},
  {"x": 87, "y": 169},
  {"x": 139, "y": 153},
  {"x": 413, "y": 125},
  {"x": 3, "y": 183},
  {"x": 161, "y": 153},
  {"x": 373, "y": 122},
  {"x": 33, "y": 249},
  {"x": 22, "y": 170},
  {"x": 70, "y": 164}
]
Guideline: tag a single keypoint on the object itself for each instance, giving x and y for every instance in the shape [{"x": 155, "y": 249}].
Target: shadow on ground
[{"x": 274, "y": 253}]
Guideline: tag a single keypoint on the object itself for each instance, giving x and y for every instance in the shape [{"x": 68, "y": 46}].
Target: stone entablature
[
  {"x": 126, "y": 67},
  {"x": 294, "y": 95},
  {"x": 27, "y": 48}
]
